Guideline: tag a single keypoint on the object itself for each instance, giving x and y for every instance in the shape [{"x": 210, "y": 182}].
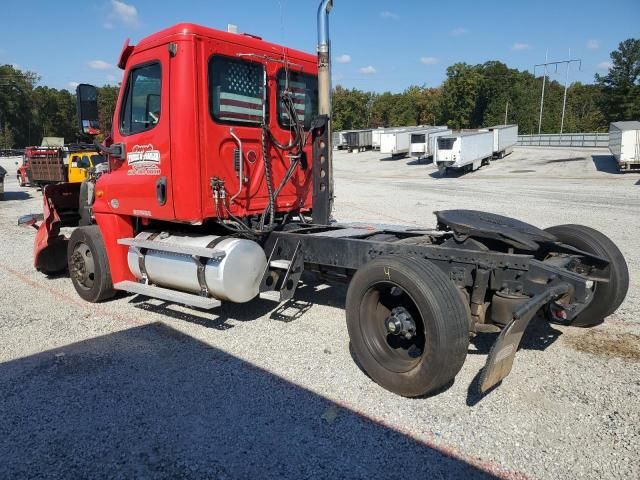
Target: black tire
[
  {"x": 608, "y": 296},
  {"x": 89, "y": 265},
  {"x": 430, "y": 359}
]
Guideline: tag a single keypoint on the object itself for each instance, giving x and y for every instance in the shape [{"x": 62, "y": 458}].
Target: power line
[{"x": 546, "y": 65}]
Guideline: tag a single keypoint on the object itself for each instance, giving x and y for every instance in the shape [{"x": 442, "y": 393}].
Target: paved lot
[{"x": 139, "y": 388}]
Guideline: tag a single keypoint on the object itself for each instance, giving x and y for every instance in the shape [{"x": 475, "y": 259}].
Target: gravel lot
[{"x": 139, "y": 388}]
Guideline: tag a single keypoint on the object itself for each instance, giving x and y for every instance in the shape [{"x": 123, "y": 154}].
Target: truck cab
[
  {"x": 79, "y": 164},
  {"x": 190, "y": 124}
]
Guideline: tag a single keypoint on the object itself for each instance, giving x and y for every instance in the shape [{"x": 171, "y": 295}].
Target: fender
[{"x": 112, "y": 228}]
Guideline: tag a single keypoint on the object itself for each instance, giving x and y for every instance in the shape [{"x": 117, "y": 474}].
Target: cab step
[{"x": 173, "y": 296}]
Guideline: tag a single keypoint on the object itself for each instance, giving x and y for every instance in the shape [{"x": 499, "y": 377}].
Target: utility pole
[
  {"x": 544, "y": 81},
  {"x": 566, "y": 84},
  {"x": 506, "y": 112}
]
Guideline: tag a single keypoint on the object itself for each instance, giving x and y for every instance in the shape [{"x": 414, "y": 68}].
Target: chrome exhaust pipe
[{"x": 324, "y": 58}]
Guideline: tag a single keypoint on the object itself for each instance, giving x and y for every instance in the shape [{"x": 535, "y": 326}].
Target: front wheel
[
  {"x": 408, "y": 326},
  {"x": 607, "y": 297},
  {"x": 89, "y": 265}
]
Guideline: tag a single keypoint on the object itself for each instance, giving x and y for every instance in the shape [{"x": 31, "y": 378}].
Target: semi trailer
[
  {"x": 466, "y": 151},
  {"x": 505, "y": 138},
  {"x": 624, "y": 145},
  {"x": 359, "y": 140},
  {"x": 375, "y": 137},
  {"x": 396, "y": 142},
  {"x": 206, "y": 198},
  {"x": 423, "y": 144}
]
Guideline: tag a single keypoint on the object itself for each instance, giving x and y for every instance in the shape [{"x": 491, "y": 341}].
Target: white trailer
[
  {"x": 465, "y": 150},
  {"x": 504, "y": 139},
  {"x": 624, "y": 144},
  {"x": 396, "y": 142},
  {"x": 375, "y": 138},
  {"x": 340, "y": 139},
  {"x": 422, "y": 144}
]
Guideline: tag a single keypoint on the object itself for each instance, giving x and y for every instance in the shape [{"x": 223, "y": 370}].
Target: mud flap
[
  {"x": 503, "y": 352},
  {"x": 60, "y": 209}
]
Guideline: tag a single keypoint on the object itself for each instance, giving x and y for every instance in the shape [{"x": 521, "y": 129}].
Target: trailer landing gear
[{"x": 408, "y": 326}]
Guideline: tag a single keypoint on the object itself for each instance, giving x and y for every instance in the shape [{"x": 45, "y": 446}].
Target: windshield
[{"x": 96, "y": 159}]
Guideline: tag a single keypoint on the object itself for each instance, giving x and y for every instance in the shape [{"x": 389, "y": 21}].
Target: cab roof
[{"x": 252, "y": 42}]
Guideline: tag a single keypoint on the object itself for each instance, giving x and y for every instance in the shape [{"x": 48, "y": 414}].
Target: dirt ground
[{"x": 136, "y": 387}]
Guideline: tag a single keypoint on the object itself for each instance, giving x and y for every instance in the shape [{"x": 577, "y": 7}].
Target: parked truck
[
  {"x": 624, "y": 144},
  {"x": 423, "y": 144},
  {"x": 505, "y": 138},
  {"x": 466, "y": 151},
  {"x": 203, "y": 202},
  {"x": 45, "y": 165}
]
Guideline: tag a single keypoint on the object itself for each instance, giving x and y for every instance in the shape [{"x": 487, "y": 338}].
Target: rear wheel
[
  {"x": 408, "y": 326},
  {"x": 89, "y": 265},
  {"x": 607, "y": 296}
]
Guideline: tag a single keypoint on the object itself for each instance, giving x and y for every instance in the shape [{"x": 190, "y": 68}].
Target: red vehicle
[
  {"x": 23, "y": 169},
  {"x": 219, "y": 188}
]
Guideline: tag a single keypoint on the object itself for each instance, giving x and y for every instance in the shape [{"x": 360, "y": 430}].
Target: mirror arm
[{"x": 116, "y": 150}]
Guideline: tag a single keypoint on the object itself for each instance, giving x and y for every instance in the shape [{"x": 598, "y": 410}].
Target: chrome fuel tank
[{"x": 236, "y": 277}]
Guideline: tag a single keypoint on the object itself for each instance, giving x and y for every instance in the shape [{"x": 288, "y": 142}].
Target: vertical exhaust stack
[
  {"x": 324, "y": 58},
  {"x": 322, "y": 144}
]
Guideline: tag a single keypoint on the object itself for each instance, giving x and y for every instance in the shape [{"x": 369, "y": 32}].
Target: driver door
[{"x": 141, "y": 126}]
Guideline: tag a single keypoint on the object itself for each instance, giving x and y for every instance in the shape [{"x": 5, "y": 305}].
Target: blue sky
[{"x": 377, "y": 45}]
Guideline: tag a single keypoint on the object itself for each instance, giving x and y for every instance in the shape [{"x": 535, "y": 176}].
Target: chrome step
[
  {"x": 173, "y": 296},
  {"x": 272, "y": 295},
  {"x": 172, "y": 247},
  {"x": 282, "y": 264}
]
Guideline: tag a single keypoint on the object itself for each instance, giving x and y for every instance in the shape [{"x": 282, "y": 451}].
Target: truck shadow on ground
[
  {"x": 420, "y": 161},
  {"x": 539, "y": 335},
  {"x": 308, "y": 293},
  {"x": 450, "y": 174},
  {"x": 151, "y": 402},
  {"x": 16, "y": 195},
  {"x": 392, "y": 158},
  {"x": 605, "y": 163}
]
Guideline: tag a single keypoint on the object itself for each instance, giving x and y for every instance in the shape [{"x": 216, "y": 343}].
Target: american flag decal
[
  {"x": 298, "y": 92},
  {"x": 240, "y": 93}
]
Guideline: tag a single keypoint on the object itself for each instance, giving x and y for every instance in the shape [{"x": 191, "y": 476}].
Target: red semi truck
[{"x": 219, "y": 188}]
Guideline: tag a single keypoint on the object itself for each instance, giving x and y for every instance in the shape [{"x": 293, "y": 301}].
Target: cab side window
[
  {"x": 302, "y": 88},
  {"x": 236, "y": 89},
  {"x": 140, "y": 110}
]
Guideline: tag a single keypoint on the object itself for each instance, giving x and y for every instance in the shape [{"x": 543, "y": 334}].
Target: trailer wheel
[
  {"x": 408, "y": 326},
  {"x": 607, "y": 296},
  {"x": 88, "y": 264}
]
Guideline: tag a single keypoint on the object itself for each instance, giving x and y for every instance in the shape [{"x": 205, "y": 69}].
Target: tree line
[
  {"x": 29, "y": 111},
  {"x": 474, "y": 96},
  {"x": 471, "y": 96}
]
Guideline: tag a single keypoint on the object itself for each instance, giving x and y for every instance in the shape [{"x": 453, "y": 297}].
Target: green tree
[
  {"x": 460, "y": 95},
  {"x": 620, "y": 98},
  {"x": 107, "y": 98},
  {"x": 6, "y": 137},
  {"x": 350, "y": 108}
]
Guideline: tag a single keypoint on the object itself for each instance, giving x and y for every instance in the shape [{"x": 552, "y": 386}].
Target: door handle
[{"x": 161, "y": 190}]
